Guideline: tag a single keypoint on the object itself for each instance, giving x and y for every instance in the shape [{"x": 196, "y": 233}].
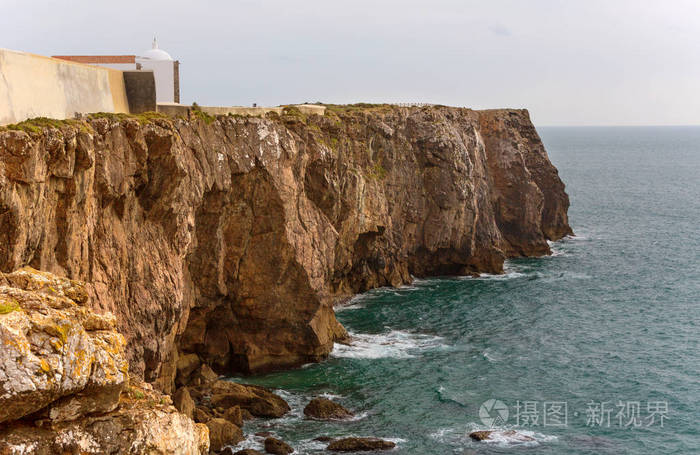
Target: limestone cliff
[
  {"x": 232, "y": 237},
  {"x": 64, "y": 385}
]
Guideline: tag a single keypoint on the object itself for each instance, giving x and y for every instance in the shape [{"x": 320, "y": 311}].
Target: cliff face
[
  {"x": 64, "y": 385},
  {"x": 232, "y": 237}
]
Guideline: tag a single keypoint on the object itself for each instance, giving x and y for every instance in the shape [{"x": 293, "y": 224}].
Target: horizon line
[{"x": 684, "y": 125}]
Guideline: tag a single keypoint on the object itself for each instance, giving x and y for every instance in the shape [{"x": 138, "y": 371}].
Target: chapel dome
[{"x": 156, "y": 54}]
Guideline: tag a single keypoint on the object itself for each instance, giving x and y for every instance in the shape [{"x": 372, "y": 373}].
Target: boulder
[
  {"x": 277, "y": 447},
  {"x": 183, "y": 401},
  {"x": 186, "y": 365},
  {"x": 205, "y": 375},
  {"x": 325, "y": 409},
  {"x": 234, "y": 415},
  {"x": 223, "y": 433},
  {"x": 360, "y": 444},
  {"x": 259, "y": 401},
  {"x": 57, "y": 356},
  {"x": 200, "y": 414}
]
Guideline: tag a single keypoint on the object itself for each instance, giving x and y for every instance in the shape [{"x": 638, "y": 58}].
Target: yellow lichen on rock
[
  {"x": 54, "y": 347},
  {"x": 63, "y": 363}
]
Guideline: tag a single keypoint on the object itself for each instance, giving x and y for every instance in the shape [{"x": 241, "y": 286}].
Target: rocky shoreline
[{"x": 213, "y": 246}]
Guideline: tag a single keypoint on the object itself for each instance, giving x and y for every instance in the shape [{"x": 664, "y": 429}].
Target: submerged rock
[
  {"x": 507, "y": 435},
  {"x": 323, "y": 408},
  {"x": 277, "y": 447},
  {"x": 360, "y": 444}
]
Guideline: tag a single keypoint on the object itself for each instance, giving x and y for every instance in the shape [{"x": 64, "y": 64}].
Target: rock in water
[
  {"x": 511, "y": 436},
  {"x": 323, "y": 408},
  {"x": 480, "y": 435},
  {"x": 257, "y": 400},
  {"x": 56, "y": 354},
  {"x": 360, "y": 444},
  {"x": 223, "y": 433},
  {"x": 277, "y": 447}
]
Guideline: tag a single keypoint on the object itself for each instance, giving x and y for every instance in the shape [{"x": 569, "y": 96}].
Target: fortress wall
[{"x": 37, "y": 86}]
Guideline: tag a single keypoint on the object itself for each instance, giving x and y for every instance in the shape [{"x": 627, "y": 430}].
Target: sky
[{"x": 613, "y": 62}]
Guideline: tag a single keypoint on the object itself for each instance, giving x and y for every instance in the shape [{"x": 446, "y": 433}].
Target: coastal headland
[{"x": 220, "y": 244}]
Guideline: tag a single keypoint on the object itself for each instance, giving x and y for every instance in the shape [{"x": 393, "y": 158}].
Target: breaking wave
[{"x": 395, "y": 344}]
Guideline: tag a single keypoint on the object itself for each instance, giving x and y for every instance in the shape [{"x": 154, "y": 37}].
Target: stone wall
[{"x": 37, "y": 86}]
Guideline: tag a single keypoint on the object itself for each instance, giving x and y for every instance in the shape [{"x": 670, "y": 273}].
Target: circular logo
[{"x": 493, "y": 413}]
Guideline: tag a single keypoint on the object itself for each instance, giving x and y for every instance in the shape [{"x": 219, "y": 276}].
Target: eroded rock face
[
  {"x": 64, "y": 375},
  {"x": 143, "y": 423},
  {"x": 232, "y": 239},
  {"x": 56, "y": 355}
]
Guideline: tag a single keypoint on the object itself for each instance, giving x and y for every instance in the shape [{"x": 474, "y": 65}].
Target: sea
[{"x": 592, "y": 350}]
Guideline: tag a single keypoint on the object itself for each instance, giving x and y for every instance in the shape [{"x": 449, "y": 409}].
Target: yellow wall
[{"x": 37, "y": 86}]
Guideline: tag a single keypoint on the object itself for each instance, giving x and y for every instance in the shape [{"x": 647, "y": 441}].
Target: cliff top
[{"x": 38, "y": 124}]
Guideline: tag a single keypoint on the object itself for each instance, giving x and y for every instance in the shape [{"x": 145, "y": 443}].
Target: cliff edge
[{"x": 231, "y": 238}]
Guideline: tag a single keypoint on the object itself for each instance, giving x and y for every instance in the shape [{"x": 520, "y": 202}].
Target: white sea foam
[
  {"x": 503, "y": 437},
  {"x": 354, "y": 303},
  {"x": 394, "y": 344},
  {"x": 556, "y": 249},
  {"x": 510, "y": 436},
  {"x": 442, "y": 434},
  {"x": 563, "y": 275},
  {"x": 490, "y": 356},
  {"x": 330, "y": 396}
]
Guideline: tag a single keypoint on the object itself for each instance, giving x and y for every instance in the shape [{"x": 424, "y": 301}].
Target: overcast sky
[{"x": 611, "y": 62}]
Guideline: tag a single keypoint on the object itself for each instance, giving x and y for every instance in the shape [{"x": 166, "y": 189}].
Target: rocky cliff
[
  {"x": 231, "y": 238},
  {"x": 64, "y": 383}
]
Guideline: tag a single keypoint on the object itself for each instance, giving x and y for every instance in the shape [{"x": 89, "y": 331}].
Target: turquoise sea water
[{"x": 610, "y": 322}]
